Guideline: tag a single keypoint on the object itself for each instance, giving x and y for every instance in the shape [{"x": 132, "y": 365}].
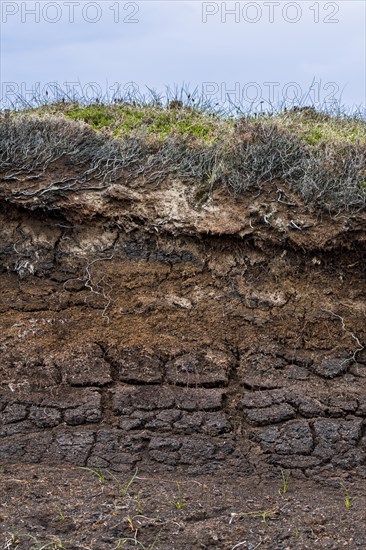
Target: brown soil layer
[{"x": 220, "y": 344}]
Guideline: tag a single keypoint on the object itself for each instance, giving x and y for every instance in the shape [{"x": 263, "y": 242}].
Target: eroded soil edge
[{"x": 142, "y": 329}]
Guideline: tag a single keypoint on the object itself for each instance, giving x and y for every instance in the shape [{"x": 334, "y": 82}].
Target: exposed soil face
[{"x": 145, "y": 328}]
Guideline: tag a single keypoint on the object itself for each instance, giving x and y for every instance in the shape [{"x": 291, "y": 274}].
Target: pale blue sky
[{"x": 170, "y": 44}]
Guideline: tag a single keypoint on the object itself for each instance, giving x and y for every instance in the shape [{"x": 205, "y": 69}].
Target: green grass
[
  {"x": 161, "y": 122},
  {"x": 284, "y": 486},
  {"x": 124, "y": 488},
  {"x": 96, "y": 115},
  {"x": 316, "y": 129},
  {"x": 158, "y": 122},
  {"x": 347, "y": 497},
  {"x": 98, "y": 473},
  {"x": 179, "y": 502}
]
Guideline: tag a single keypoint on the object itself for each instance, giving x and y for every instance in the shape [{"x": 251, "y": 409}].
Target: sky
[{"x": 303, "y": 52}]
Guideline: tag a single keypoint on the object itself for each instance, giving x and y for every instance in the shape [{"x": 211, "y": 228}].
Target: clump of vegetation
[
  {"x": 179, "y": 502},
  {"x": 284, "y": 486},
  {"x": 347, "y": 497},
  {"x": 98, "y": 473},
  {"x": 323, "y": 157},
  {"x": 123, "y": 120}
]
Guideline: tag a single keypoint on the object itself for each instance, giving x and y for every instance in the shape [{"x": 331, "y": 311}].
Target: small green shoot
[
  {"x": 265, "y": 515},
  {"x": 61, "y": 515},
  {"x": 283, "y": 489},
  {"x": 131, "y": 525},
  {"x": 125, "y": 488},
  {"x": 99, "y": 473},
  {"x": 179, "y": 502},
  {"x": 347, "y": 497}
]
